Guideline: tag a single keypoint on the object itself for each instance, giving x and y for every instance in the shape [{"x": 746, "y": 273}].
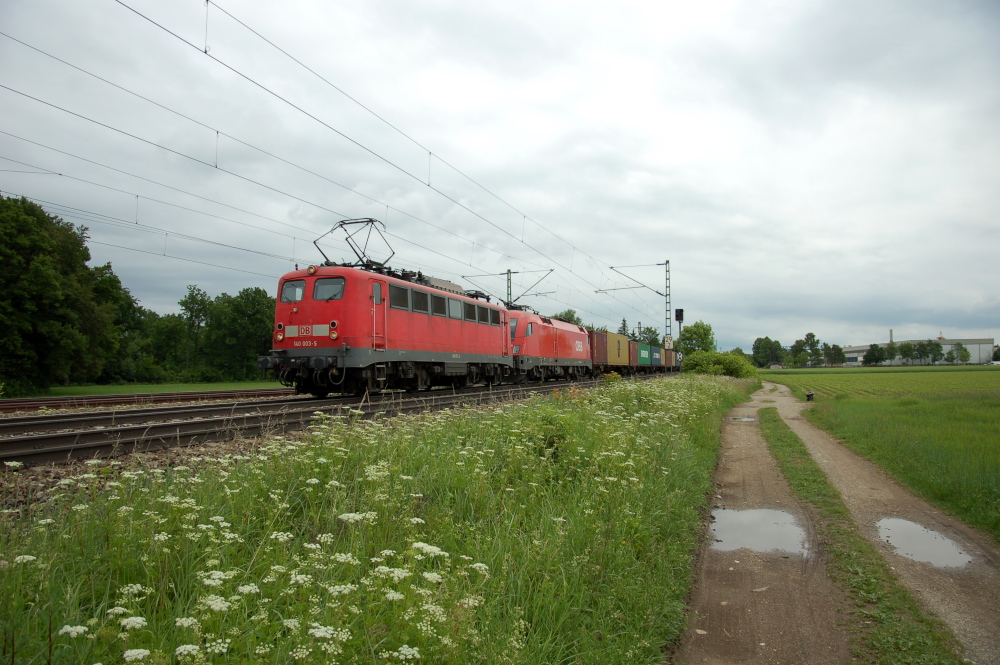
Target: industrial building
[{"x": 980, "y": 351}]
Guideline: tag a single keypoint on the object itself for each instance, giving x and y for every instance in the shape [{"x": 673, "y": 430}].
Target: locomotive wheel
[{"x": 319, "y": 392}]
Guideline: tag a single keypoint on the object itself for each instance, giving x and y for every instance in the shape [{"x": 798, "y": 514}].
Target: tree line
[
  {"x": 930, "y": 351},
  {"x": 806, "y": 352},
  {"x": 62, "y": 321}
]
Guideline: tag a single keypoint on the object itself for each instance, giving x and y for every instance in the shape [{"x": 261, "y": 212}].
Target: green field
[
  {"x": 554, "y": 530},
  {"x": 936, "y": 430}
]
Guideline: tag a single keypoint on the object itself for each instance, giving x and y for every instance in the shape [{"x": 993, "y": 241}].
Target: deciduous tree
[{"x": 697, "y": 336}]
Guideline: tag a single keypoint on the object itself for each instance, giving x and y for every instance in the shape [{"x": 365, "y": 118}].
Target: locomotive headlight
[
  {"x": 281, "y": 336},
  {"x": 333, "y": 334},
  {"x": 311, "y": 270}
]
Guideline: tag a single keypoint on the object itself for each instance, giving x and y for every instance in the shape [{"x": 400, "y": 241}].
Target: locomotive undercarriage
[{"x": 391, "y": 375}]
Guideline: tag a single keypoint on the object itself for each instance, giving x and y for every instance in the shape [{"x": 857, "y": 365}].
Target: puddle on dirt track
[
  {"x": 760, "y": 529},
  {"x": 743, "y": 420},
  {"x": 915, "y": 542}
]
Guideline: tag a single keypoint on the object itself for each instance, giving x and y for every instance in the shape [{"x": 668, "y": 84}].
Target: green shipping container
[{"x": 645, "y": 357}]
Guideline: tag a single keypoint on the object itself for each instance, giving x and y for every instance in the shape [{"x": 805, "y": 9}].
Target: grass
[
  {"x": 935, "y": 430},
  {"x": 888, "y": 624},
  {"x": 555, "y": 530}
]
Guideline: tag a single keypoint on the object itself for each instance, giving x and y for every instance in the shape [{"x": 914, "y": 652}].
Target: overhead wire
[
  {"x": 345, "y": 136},
  {"x": 255, "y": 182},
  {"x": 210, "y": 3}
]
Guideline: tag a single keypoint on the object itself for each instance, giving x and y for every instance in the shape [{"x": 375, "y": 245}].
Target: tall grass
[
  {"x": 552, "y": 530},
  {"x": 936, "y": 431}
]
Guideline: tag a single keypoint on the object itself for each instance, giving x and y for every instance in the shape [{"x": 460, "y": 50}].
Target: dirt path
[
  {"x": 760, "y": 605},
  {"x": 965, "y": 596},
  {"x": 753, "y": 606}
]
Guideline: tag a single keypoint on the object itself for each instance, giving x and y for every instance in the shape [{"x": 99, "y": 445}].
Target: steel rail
[
  {"x": 84, "y": 401},
  {"x": 83, "y": 444}
]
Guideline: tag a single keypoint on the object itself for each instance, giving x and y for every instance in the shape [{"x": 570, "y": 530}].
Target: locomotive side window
[
  {"x": 439, "y": 306},
  {"x": 527, "y": 331},
  {"x": 470, "y": 312},
  {"x": 377, "y": 293},
  {"x": 495, "y": 317},
  {"x": 454, "y": 309},
  {"x": 484, "y": 314},
  {"x": 513, "y": 328},
  {"x": 399, "y": 297},
  {"x": 420, "y": 301},
  {"x": 329, "y": 288},
  {"x": 293, "y": 291}
]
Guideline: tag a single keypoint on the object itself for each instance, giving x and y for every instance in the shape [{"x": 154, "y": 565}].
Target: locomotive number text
[{"x": 305, "y": 342}]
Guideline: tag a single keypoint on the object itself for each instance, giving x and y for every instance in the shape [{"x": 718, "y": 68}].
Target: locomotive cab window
[
  {"x": 454, "y": 309},
  {"x": 328, "y": 288},
  {"x": 399, "y": 297},
  {"x": 293, "y": 291},
  {"x": 420, "y": 301},
  {"x": 439, "y": 306},
  {"x": 470, "y": 312}
]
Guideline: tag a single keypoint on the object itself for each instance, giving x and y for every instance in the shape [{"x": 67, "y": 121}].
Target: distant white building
[{"x": 980, "y": 351}]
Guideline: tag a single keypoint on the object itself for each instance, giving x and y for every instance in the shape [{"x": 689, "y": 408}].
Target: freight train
[
  {"x": 350, "y": 329},
  {"x": 363, "y": 327}
]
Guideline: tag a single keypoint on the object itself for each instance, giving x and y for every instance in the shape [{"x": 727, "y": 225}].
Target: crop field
[
  {"x": 554, "y": 530},
  {"x": 936, "y": 430}
]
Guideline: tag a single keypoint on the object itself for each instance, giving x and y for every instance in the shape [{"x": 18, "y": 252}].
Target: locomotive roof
[{"x": 402, "y": 277}]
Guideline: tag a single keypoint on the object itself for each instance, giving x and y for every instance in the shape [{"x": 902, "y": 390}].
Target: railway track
[
  {"x": 83, "y": 436},
  {"x": 89, "y": 401}
]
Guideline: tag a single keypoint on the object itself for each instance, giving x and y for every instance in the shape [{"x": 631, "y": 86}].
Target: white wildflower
[
  {"x": 187, "y": 650},
  {"x": 72, "y": 631},
  {"x": 24, "y": 558},
  {"x": 116, "y": 611},
  {"x": 135, "y": 655},
  {"x": 185, "y": 622},
  {"x": 131, "y": 623},
  {"x": 435, "y": 578}
]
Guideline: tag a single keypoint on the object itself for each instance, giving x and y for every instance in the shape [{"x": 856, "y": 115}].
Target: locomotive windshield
[
  {"x": 329, "y": 288},
  {"x": 293, "y": 291}
]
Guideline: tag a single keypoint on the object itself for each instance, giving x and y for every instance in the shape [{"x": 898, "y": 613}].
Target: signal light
[
  {"x": 311, "y": 270},
  {"x": 333, "y": 334}
]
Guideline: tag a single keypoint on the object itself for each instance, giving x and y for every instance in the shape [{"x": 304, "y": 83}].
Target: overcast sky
[{"x": 805, "y": 166}]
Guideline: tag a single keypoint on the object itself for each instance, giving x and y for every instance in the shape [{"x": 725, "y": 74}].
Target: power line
[
  {"x": 345, "y": 136},
  {"x": 203, "y": 162},
  {"x": 219, "y": 132},
  {"x": 400, "y": 131}
]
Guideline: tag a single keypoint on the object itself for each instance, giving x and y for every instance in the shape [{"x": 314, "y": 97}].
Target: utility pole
[{"x": 667, "y": 326}]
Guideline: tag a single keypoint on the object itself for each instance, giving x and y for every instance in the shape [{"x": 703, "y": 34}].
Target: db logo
[
  {"x": 305, "y": 331},
  {"x": 579, "y": 346}
]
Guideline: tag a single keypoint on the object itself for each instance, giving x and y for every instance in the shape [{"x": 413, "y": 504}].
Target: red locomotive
[{"x": 347, "y": 329}]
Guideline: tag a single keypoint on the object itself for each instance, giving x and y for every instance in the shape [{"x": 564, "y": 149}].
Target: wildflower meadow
[{"x": 555, "y": 529}]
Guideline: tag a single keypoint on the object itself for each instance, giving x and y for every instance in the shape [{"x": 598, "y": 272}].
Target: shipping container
[
  {"x": 617, "y": 349},
  {"x": 633, "y": 356},
  {"x": 599, "y": 348},
  {"x": 656, "y": 356},
  {"x": 645, "y": 355},
  {"x": 670, "y": 359}
]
